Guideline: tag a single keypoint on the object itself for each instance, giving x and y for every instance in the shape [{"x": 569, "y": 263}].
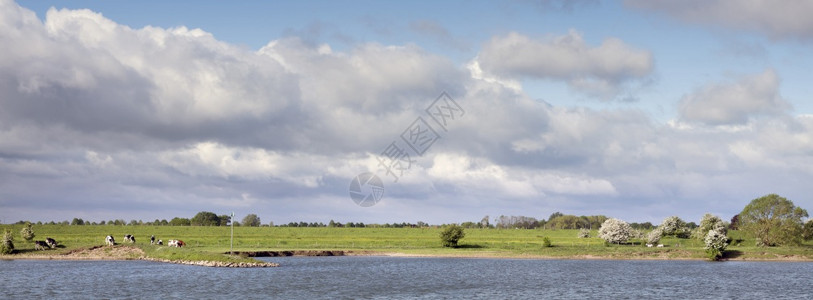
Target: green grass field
[{"x": 211, "y": 242}]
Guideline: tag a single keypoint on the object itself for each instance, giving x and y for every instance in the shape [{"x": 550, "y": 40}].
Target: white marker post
[{"x": 231, "y": 250}]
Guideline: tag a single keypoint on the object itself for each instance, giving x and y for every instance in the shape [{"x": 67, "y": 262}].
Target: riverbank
[
  {"x": 213, "y": 243},
  {"x": 243, "y": 259},
  {"x": 125, "y": 252}
]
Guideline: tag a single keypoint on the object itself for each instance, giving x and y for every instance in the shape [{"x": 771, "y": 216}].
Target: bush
[
  {"x": 654, "y": 236},
  {"x": 584, "y": 233},
  {"x": 7, "y": 244},
  {"x": 27, "y": 232},
  {"x": 708, "y": 222},
  {"x": 716, "y": 242},
  {"x": 615, "y": 231},
  {"x": 674, "y": 226},
  {"x": 451, "y": 235},
  {"x": 546, "y": 242}
]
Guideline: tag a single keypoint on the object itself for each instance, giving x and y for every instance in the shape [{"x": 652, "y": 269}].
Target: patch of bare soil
[{"x": 92, "y": 253}]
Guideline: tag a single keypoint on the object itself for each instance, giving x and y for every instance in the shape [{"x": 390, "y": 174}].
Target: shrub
[
  {"x": 27, "y": 232},
  {"x": 451, "y": 235},
  {"x": 546, "y": 242},
  {"x": 708, "y": 222},
  {"x": 654, "y": 236},
  {"x": 584, "y": 233},
  {"x": 615, "y": 231},
  {"x": 674, "y": 226},
  {"x": 716, "y": 241},
  {"x": 7, "y": 245}
]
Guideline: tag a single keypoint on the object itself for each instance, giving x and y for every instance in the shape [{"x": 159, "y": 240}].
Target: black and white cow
[
  {"x": 40, "y": 245},
  {"x": 110, "y": 241},
  {"x": 152, "y": 240},
  {"x": 51, "y": 242},
  {"x": 129, "y": 238},
  {"x": 160, "y": 242}
]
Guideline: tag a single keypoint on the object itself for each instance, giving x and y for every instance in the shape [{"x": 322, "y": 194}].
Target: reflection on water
[{"x": 400, "y": 277}]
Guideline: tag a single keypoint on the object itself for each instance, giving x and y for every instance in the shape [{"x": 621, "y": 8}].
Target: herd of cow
[
  {"x": 131, "y": 239},
  {"x": 50, "y": 243}
]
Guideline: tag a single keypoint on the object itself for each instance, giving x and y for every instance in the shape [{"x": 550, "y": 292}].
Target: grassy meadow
[{"x": 212, "y": 242}]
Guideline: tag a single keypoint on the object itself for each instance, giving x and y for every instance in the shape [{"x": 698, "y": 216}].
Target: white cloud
[
  {"x": 129, "y": 123},
  {"x": 599, "y": 70},
  {"x": 778, "y": 19},
  {"x": 735, "y": 103}
]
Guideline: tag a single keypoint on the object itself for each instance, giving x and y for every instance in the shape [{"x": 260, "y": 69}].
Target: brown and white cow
[{"x": 176, "y": 243}]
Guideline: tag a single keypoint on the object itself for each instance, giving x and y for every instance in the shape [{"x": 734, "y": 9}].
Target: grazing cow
[
  {"x": 660, "y": 245},
  {"x": 110, "y": 241},
  {"x": 160, "y": 242},
  {"x": 51, "y": 242},
  {"x": 649, "y": 245},
  {"x": 176, "y": 243},
  {"x": 129, "y": 238},
  {"x": 152, "y": 240},
  {"x": 40, "y": 245}
]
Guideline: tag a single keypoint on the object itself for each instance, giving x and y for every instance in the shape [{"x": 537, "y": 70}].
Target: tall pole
[{"x": 231, "y": 250}]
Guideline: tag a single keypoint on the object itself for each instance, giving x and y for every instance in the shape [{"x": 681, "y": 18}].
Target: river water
[{"x": 407, "y": 278}]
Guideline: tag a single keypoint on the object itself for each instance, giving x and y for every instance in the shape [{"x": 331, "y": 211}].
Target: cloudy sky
[{"x": 631, "y": 109}]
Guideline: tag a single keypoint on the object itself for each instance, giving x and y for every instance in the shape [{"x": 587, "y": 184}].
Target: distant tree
[
  {"x": 270, "y": 223},
  {"x": 164, "y": 222},
  {"x": 7, "y": 244},
  {"x": 133, "y": 223},
  {"x": 555, "y": 215},
  {"x": 421, "y": 224},
  {"x": 584, "y": 233},
  {"x": 179, "y": 222},
  {"x": 674, "y": 226},
  {"x": 709, "y": 222},
  {"x": 483, "y": 222},
  {"x": 773, "y": 220},
  {"x": 331, "y": 224},
  {"x": 807, "y": 232},
  {"x": 251, "y": 220},
  {"x": 615, "y": 231},
  {"x": 27, "y": 232},
  {"x": 735, "y": 222},
  {"x": 205, "y": 218},
  {"x": 467, "y": 224},
  {"x": 223, "y": 220},
  {"x": 102, "y": 222},
  {"x": 451, "y": 235},
  {"x": 567, "y": 222},
  {"x": 716, "y": 241}
]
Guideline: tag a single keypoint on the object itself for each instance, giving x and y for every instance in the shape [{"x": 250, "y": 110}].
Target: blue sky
[{"x": 632, "y": 109}]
